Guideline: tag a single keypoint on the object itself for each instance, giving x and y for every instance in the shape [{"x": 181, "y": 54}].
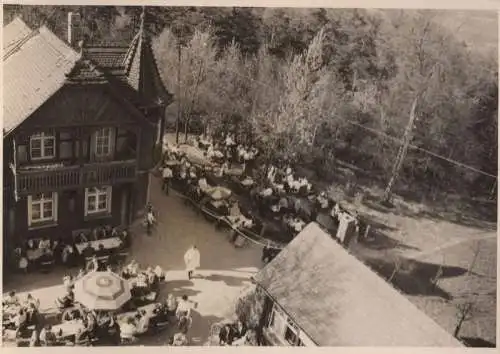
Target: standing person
[
  {"x": 167, "y": 174},
  {"x": 192, "y": 260},
  {"x": 150, "y": 218}
]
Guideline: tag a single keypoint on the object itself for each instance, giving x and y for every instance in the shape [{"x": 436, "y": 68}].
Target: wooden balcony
[{"x": 57, "y": 177}]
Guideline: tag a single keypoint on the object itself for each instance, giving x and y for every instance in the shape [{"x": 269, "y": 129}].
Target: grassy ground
[{"x": 428, "y": 241}]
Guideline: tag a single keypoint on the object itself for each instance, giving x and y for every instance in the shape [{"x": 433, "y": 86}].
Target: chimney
[
  {"x": 70, "y": 28},
  {"x": 73, "y": 24}
]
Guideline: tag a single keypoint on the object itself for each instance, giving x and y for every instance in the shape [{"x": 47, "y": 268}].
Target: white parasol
[{"x": 102, "y": 291}]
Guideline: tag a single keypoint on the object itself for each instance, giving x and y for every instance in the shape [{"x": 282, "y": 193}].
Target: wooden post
[{"x": 402, "y": 152}]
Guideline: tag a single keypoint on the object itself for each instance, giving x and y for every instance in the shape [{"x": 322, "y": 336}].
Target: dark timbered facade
[{"x": 79, "y": 133}]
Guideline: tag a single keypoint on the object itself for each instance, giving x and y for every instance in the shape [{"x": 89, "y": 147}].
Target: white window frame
[
  {"x": 279, "y": 322},
  {"x": 103, "y": 142},
  {"x": 43, "y": 138},
  {"x": 45, "y": 198},
  {"x": 97, "y": 192}
]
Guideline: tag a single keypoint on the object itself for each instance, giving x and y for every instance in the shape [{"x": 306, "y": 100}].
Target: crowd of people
[
  {"x": 42, "y": 254},
  {"x": 281, "y": 196}
]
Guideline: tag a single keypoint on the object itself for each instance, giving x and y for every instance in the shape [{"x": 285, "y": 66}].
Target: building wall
[
  {"x": 70, "y": 215},
  {"x": 268, "y": 336}
]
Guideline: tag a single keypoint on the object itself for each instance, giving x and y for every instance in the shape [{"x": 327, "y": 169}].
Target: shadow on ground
[
  {"x": 178, "y": 288},
  {"x": 228, "y": 279},
  {"x": 200, "y": 331},
  {"x": 477, "y": 342},
  {"x": 414, "y": 277}
]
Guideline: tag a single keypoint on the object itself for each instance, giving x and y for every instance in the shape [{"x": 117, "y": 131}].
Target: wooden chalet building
[
  {"x": 80, "y": 128},
  {"x": 314, "y": 293}
]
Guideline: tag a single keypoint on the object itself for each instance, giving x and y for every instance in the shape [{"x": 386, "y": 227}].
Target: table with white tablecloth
[
  {"x": 108, "y": 243},
  {"x": 68, "y": 329}
]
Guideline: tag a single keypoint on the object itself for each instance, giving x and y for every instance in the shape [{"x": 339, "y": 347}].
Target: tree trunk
[
  {"x": 463, "y": 317},
  {"x": 402, "y": 153},
  {"x": 177, "y": 122}
]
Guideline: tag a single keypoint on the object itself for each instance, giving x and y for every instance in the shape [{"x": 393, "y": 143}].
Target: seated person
[
  {"x": 30, "y": 246},
  {"x": 81, "y": 273},
  {"x": 20, "y": 320},
  {"x": 114, "y": 232},
  {"x": 81, "y": 238},
  {"x": 67, "y": 300},
  {"x": 47, "y": 337},
  {"x": 128, "y": 329},
  {"x": 133, "y": 268},
  {"x": 44, "y": 243},
  {"x": 101, "y": 250},
  {"x": 88, "y": 251},
  {"x": 160, "y": 314},
  {"x": 151, "y": 276},
  {"x": 93, "y": 264},
  {"x": 96, "y": 234},
  {"x": 32, "y": 314},
  {"x": 171, "y": 304},
  {"x": 104, "y": 318},
  {"x": 180, "y": 340},
  {"x": 72, "y": 314},
  {"x": 11, "y": 299},
  {"x": 267, "y": 192},
  {"x": 31, "y": 300},
  {"x": 160, "y": 274},
  {"x": 141, "y": 281},
  {"x": 82, "y": 337},
  {"x": 143, "y": 322},
  {"x": 68, "y": 281}
]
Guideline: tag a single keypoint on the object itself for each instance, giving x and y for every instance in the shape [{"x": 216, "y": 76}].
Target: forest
[{"x": 326, "y": 87}]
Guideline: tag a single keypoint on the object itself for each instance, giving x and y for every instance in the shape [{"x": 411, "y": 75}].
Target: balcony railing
[{"x": 56, "y": 177}]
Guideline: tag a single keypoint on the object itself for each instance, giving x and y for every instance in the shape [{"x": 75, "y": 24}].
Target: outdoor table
[
  {"x": 172, "y": 163},
  {"x": 68, "y": 328},
  {"x": 33, "y": 255},
  {"x": 108, "y": 243}
]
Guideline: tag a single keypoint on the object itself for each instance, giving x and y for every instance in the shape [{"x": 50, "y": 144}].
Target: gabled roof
[
  {"x": 34, "y": 69},
  {"x": 338, "y": 301},
  {"x": 141, "y": 69},
  {"x": 13, "y": 33}
]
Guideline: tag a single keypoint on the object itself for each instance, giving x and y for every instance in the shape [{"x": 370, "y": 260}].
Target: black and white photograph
[{"x": 249, "y": 176}]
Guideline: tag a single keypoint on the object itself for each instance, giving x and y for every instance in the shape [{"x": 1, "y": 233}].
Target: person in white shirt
[
  {"x": 44, "y": 244},
  {"x": 128, "y": 330},
  {"x": 160, "y": 274},
  {"x": 11, "y": 299},
  {"x": 183, "y": 308},
  {"x": 67, "y": 253},
  {"x": 150, "y": 220},
  {"x": 192, "y": 260},
  {"x": 144, "y": 322},
  {"x": 167, "y": 175}
]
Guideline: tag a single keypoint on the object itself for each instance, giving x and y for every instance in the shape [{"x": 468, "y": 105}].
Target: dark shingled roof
[
  {"x": 338, "y": 301},
  {"x": 107, "y": 57},
  {"x": 38, "y": 63}
]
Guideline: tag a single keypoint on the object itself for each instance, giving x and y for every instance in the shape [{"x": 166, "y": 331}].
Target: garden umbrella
[{"x": 102, "y": 291}]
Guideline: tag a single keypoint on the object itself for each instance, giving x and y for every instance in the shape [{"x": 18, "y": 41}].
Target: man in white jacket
[{"x": 192, "y": 260}]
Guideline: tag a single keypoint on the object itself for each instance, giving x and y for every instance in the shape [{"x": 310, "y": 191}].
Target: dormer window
[{"x": 42, "y": 146}]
